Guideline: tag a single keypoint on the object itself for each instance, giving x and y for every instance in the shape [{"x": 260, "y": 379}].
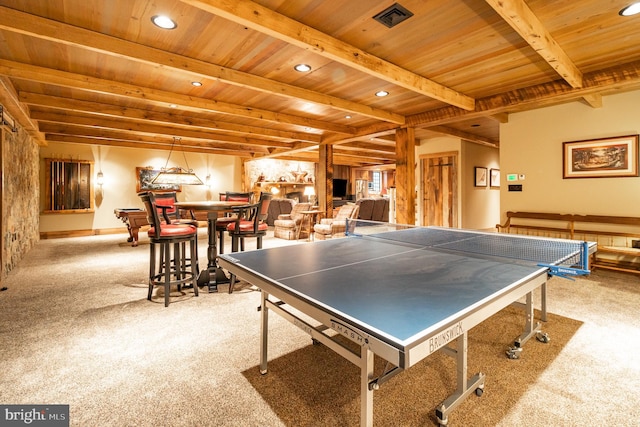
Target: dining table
[{"x": 213, "y": 275}]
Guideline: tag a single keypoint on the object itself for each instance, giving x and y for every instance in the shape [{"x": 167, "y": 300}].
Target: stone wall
[{"x": 20, "y": 207}]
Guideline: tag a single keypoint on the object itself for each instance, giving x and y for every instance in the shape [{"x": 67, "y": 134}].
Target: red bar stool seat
[{"x": 171, "y": 265}]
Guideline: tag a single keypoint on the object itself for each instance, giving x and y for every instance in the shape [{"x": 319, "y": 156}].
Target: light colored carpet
[{"x": 76, "y": 328}]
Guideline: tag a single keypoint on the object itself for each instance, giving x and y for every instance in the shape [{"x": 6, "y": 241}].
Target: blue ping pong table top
[{"x": 396, "y": 290}]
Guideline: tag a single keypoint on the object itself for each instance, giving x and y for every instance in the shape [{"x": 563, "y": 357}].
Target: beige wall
[
  {"x": 119, "y": 189},
  {"x": 531, "y": 144},
  {"x": 478, "y": 207}
]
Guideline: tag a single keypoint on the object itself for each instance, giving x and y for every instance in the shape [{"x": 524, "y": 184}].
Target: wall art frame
[
  {"x": 480, "y": 176},
  {"x": 144, "y": 176},
  {"x": 494, "y": 178},
  {"x": 613, "y": 157}
]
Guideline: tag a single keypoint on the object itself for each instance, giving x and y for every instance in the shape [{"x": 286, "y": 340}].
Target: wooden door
[{"x": 440, "y": 189}]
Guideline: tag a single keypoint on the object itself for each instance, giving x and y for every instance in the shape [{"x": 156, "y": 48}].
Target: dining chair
[
  {"x": 170, "y": 266},
  {"x": 223, "y": 222},
  {"x": 168, "y": 199},
  {"x": 250, "y": 221}
]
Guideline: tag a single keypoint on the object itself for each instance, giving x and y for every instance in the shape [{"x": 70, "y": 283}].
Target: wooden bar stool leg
[
  {"x": 194, "y": 265},
  {"x": 152, "y": 269},
  {"x": 167, "y": 274}
]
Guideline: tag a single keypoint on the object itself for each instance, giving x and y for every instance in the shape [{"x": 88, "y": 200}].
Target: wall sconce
[
  {"x": 207, "y": 181},
  {"x": 274, "y": 190},
  {"x": 100, "y": 178}
]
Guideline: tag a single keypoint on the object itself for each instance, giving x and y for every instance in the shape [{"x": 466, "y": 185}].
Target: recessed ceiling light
[
  {"x": 632, "y": 9},
  {"x": 347, "y": 116},
  {"x": 382, "y": 93},
  {"x": 173, "y": 106},
  {"x": 197, "y": 84},
  {"x": 303, "y": 68},
  {"x": 163, "y": 21}
]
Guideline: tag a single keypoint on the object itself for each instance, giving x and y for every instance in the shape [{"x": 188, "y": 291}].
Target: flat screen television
[{"x": 339, "y": 187}]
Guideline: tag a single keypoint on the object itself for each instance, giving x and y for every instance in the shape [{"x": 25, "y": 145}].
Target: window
[
  {"x": 376, "y": 182},
  {"x": 69, "y": 187}
]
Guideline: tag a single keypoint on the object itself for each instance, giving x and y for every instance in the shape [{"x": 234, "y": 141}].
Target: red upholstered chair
[
  {"x": 171, "y": 267},
  {"x": 250, "y": 222},
  {"x": 222, "y": 223},
  {"x": 168, "y": 210}
]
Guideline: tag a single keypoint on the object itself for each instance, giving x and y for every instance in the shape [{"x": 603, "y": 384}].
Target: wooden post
[
  {"x": 324, "y": 180},
  {"x": 405, "y": 176}
]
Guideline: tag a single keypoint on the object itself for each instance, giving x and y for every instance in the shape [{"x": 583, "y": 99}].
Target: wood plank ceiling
[{"x": 99, "y": 71}]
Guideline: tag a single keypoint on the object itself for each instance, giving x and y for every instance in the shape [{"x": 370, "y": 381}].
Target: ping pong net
[{"x": 562, "y": 257}]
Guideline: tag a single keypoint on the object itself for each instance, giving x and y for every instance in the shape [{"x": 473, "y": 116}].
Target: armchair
[
  {"x": 331, "y": 228},
  {"x": 249, "y": 222},
  {"x": 287, "y": 225}
]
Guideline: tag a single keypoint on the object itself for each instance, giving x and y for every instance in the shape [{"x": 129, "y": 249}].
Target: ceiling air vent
[{"x": 393, "y": 15}]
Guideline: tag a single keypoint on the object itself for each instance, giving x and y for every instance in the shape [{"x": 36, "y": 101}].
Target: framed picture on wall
[
  {"x": 601, "y": 158},
  {"x": 481, "y": 176},
  {"x": 144, "y": 176},
  {"x": 494, "y": 177}
]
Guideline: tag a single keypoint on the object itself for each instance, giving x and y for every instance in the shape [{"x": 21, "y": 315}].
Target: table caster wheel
[
  {"x": 479, "y": 391},
  {"x": 543, "y": 337},
  {"x": 514, "y": 352}
]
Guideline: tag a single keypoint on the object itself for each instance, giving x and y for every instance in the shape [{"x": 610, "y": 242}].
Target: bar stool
[
  {"x": 170, "y": 267},
  {"x": 250, "y": 222},
  {"x": 222, "y": 223},
  {"x": 167, "y": 211}
]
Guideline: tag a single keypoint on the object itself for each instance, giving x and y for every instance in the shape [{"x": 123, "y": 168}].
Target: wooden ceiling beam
[
  {"x": 522, "y": 19},
  {"x": 265, "y": 20},
  {"x": 10, "y": 102},
  {"x": 34, "y": 26},
  {"x": 464, "y": 135},
  {"x": 141, "y": 145},
  {"x": 192, "y": 120},
  {"x": 371, "y": 146},
  {"x": 621, "y": 77},
  {"x": 129, "y": 139},
  {"x": 130, "y": 126},
  {"x": 23, "y": 71},
  {"x": 594, "y": 100}
]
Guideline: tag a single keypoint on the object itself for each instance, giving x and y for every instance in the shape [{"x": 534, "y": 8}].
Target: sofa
[
  {"x": 278, "y": 207},
  {"x": 373, "y": 209},
  {"x": 287, "y": 226}
]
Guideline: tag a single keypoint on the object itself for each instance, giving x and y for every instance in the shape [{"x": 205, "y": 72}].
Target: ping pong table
[{"x": 404, "y": 292}]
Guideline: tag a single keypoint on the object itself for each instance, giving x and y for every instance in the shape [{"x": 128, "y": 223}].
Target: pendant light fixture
[{"x": 177, "y": 175}]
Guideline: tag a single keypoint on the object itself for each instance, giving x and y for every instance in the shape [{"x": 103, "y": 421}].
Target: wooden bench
[{"x": 618, "y": 237}]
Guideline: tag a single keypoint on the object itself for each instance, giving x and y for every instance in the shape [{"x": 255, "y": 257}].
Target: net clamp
[{"x": 564, "y": 272}]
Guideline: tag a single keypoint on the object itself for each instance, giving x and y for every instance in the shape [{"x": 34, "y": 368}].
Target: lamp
[
  {"x": 100, "y": 178},
  {"x": 177, "y": 175},
  {"x": 310, "y": 192}
]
